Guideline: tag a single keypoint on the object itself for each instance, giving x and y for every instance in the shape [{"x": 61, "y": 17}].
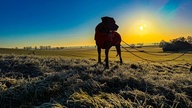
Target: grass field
[
  {"x": 72, "y": 78},
  {"x": 86, "y": 53}
]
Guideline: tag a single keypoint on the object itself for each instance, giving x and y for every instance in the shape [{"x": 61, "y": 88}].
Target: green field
[
  {"x": 156, "y": 54},
  {"x": 71, "y": 78}
]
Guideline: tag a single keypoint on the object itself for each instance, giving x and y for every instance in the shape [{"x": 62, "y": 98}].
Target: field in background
[
  {"x": 72, "y": 78},
  {"x": 87, "y": 53}
]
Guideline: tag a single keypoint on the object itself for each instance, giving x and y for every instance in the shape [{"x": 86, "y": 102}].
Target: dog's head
[
  {"x": 109, "y": 23},
  {"x": 107, "y": 19}
]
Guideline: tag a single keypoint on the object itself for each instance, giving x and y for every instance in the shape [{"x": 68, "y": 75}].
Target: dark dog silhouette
[{"x": 106, "y": 37}]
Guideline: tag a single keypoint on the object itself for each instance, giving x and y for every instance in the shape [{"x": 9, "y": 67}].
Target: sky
[{"x": 73, "y": 22}]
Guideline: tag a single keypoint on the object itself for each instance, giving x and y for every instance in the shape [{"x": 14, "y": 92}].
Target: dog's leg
[
  {"x": 107, "y": 58},
  {"x": 99, "y": 54},
  {"x": 118, "y": 48}
]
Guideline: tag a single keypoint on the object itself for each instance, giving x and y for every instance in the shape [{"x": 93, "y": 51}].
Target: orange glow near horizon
[
  {"x": 137, "y": 31},
  {"x": 149, "y": 26}
]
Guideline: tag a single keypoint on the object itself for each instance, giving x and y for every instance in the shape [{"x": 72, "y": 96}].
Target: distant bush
[{"x": 177, "y": 45}]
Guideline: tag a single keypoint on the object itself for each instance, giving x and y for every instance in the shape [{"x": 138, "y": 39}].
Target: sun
[{"x": 141, "y": 28}]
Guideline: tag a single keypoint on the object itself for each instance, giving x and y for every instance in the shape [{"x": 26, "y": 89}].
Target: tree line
[{"x": 177, "y": 45}]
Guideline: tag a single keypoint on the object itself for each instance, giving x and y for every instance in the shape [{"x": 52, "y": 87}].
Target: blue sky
[{"x": 72, "y": 22}]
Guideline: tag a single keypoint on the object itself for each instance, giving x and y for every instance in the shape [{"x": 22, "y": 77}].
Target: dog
[{"x": 106, "y": 37}]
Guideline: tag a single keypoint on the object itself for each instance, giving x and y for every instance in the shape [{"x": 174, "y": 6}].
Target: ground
[{"x": 76, "y": 80}]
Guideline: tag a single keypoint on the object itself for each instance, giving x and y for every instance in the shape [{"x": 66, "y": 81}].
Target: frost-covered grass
[{"x": 46, "y": 82}]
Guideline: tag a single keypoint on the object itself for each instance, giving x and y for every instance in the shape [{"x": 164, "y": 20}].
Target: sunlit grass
[
  {"x": 86, "y": 53},
  {"x": 72, "y": 78}
]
